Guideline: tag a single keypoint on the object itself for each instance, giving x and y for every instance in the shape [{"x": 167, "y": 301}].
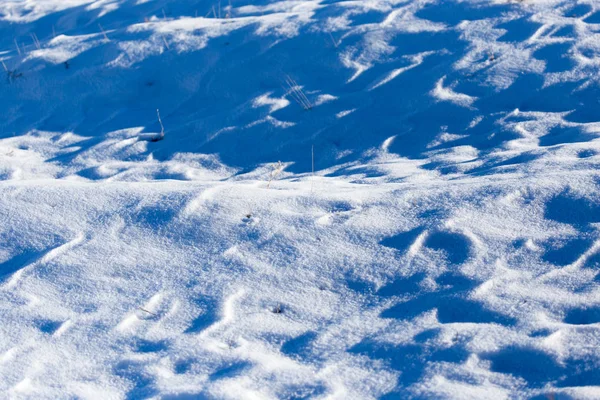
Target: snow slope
[{"x": 446, "y": 246}]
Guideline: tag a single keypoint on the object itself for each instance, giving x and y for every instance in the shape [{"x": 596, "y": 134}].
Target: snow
[
  {"x": 447, "y": 94},
  {"x": 352, "y": 200}
]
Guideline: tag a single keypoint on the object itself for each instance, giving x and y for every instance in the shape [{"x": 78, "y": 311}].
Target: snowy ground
[{"x": 447, "y": 245}]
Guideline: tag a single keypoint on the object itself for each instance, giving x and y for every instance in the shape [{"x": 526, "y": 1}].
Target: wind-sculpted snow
[{"x": 377, "y": 199}]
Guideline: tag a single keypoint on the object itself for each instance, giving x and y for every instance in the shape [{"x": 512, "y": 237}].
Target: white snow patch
[{"x": 447, "y": 94}]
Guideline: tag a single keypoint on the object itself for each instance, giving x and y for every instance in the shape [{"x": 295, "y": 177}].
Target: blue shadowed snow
[{"x": 351, "y": 199}]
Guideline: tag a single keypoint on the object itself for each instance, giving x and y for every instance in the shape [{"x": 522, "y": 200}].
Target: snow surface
[{"x": 446, "y": 246}]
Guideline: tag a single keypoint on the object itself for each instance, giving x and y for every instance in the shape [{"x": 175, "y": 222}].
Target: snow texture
[{"x": 382, "y": 199}]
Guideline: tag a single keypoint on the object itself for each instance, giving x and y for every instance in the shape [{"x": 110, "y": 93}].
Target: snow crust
[{"x": 446, "y": 244}]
